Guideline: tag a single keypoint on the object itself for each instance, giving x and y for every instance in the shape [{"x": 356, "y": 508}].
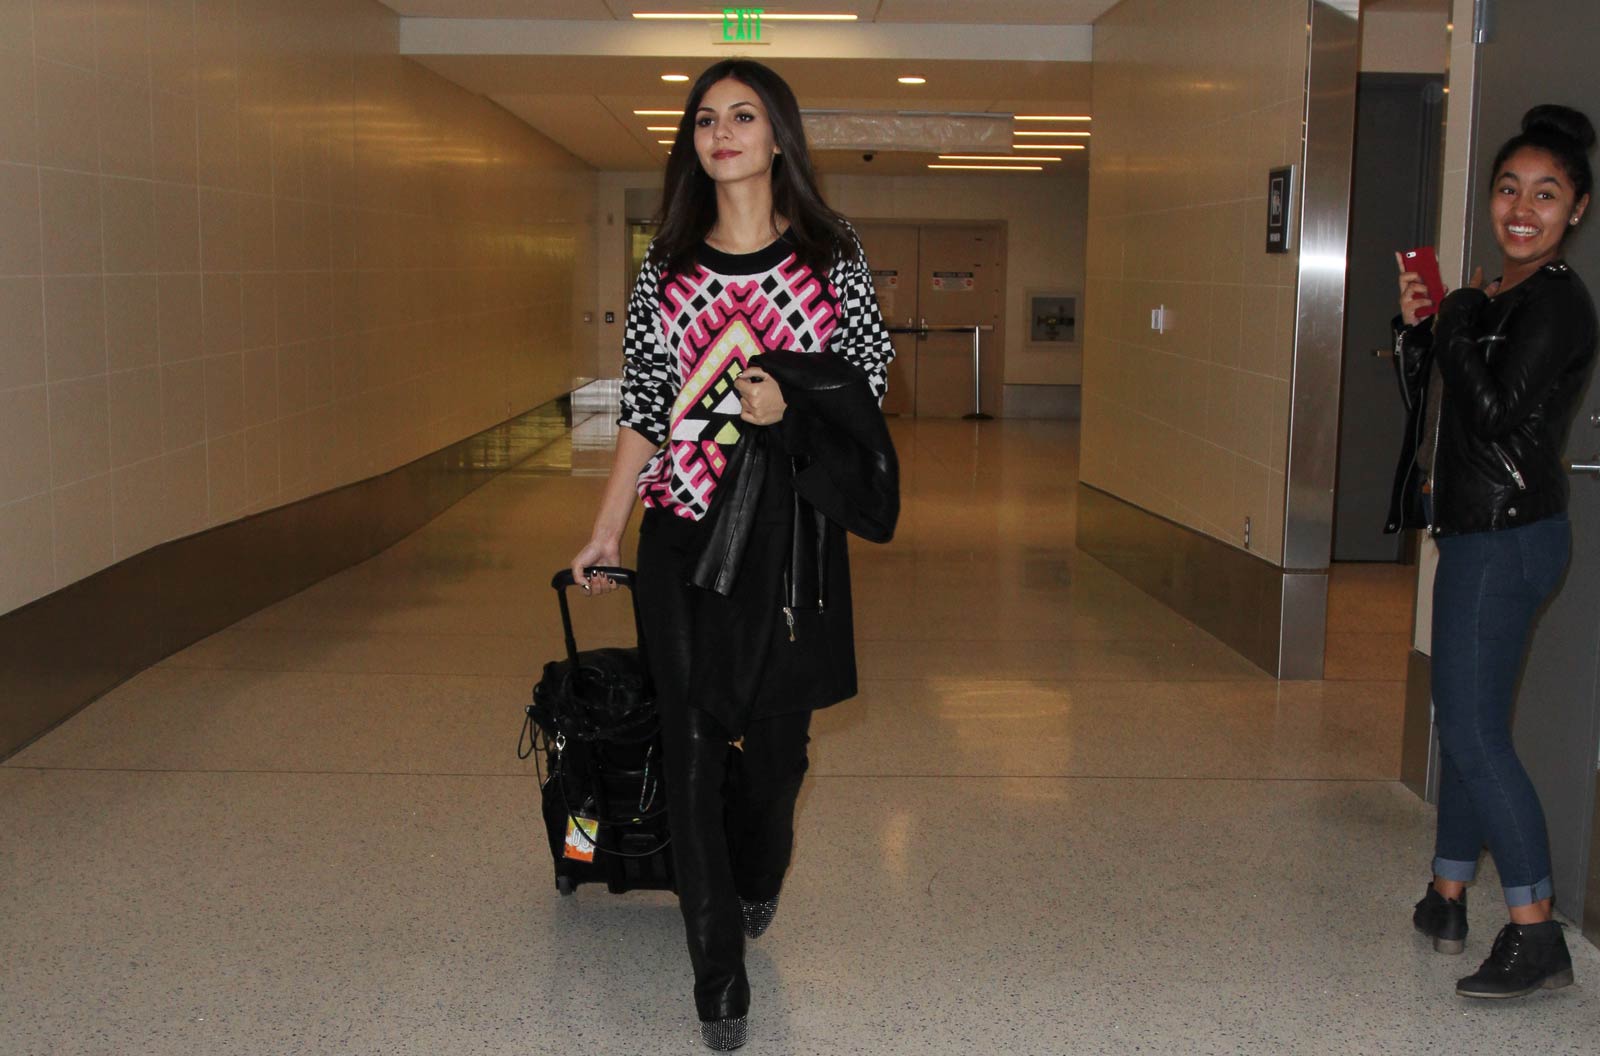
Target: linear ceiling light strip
[
  {"x": 993, "y": 157},
  {"x": 992, "y": 168}
]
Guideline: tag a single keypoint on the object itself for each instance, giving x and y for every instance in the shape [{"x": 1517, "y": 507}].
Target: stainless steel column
[{"x": 1334, "y": 32}]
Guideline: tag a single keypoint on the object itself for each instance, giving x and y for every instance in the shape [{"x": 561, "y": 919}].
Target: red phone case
[{"x": 1425, "y": 262}]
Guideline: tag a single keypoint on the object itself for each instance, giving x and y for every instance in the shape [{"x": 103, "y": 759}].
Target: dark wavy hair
[
  {"x": 689, "y": 198},
  {"x": 1563, "y": 132}
]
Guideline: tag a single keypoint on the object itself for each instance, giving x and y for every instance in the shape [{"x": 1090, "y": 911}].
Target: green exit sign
[{"x": 741, "y": 25}]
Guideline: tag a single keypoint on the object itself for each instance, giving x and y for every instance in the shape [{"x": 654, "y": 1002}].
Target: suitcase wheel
[{"x": 565, "y": 885}]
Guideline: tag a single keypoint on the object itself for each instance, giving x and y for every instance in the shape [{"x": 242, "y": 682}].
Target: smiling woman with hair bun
[{"x": 1493, "y": 382}]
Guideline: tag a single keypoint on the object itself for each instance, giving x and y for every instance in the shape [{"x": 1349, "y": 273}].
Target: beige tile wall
[
  {"x": 248, "y": 253},
  {"x": 1193, "y": 105}
]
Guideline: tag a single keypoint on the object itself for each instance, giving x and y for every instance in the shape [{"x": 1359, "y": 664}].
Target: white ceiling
[
  {"x": 991, "y": 12},
  {"x": 1430, "y": 6},
  {"x": 585, "y": 102}
]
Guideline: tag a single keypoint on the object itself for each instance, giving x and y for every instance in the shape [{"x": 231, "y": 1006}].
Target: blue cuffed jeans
[{"x": 1489, "y": 588}]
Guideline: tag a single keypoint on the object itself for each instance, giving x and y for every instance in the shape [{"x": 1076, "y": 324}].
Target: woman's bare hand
[
  {"x": 761, "y": 399},
  {"x": 596, "y": 552},
  {"x": 1477, "y": 283}
]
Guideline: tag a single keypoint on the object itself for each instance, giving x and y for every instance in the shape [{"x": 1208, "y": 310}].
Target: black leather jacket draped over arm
[
  {"x": 844, "y": 471},
  {"x": 1514, "y": 367}
]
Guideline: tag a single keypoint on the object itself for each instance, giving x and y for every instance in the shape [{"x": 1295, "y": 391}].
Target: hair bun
[{"x": 1552, "y": 119}]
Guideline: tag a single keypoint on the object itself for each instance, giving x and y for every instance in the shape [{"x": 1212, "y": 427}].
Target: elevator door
[
  {"x": 1393, "y": 206},
  {"x": 938, "y": 275}
]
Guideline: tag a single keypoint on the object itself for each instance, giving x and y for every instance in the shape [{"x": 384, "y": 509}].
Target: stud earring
[{"x": 1574, "y": 221}]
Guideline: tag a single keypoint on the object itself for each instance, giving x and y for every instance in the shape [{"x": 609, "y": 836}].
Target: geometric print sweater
[{"x": 689, "y": 338}]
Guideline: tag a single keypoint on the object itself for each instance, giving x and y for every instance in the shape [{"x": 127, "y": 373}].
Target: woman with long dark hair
[
  {"x": 754, "y": 360},
  {"x": 1493, "y": 382}
]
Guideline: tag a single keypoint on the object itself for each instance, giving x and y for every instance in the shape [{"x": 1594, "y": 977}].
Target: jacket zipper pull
[{"x": 788, "y": 617}]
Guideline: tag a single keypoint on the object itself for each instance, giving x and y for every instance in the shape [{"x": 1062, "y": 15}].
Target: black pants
[{"x": 732, "y": 826}]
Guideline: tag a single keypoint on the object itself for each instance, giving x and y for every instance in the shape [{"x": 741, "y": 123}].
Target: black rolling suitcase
[{"x": 593, "y": 722}]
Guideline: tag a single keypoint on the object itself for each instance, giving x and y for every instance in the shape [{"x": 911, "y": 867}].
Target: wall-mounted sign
[
  {"x": 888, "y": 279},
  {"x": 954, "y": 281},
  {"x": 1280, "y": 209},
  {"x": 742, "y": 25}
]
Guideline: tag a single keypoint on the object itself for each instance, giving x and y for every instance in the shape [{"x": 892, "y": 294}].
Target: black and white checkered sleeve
[
  {"x": 862, "y": 337},
  {"x": 648, "y": 379}
]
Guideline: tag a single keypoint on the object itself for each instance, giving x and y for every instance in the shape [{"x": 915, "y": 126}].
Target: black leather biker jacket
[{"x": 1514, "y": 368}]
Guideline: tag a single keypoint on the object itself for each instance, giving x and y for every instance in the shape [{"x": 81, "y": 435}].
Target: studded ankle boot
[
  {"x": 757, "y": 916},
  {"x": 724, "y": 1035}
]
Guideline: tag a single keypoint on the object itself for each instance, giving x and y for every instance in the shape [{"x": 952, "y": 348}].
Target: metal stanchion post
[{"x": 977, "y": 414}]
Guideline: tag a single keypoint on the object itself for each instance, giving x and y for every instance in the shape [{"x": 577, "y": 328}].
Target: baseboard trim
[
  {"x": 1591, "y": 897},
  {"x": 66, "y": 649},
  {"x": 1274, "y": 617},
  {"x": 1419, "y": 749},
  {"x": 1058, "y": 402}
]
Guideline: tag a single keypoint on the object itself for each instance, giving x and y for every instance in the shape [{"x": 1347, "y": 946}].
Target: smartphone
[{"x": 1425, "y": 262}]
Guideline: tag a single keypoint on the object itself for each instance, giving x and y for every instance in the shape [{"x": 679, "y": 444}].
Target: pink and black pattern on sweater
[{"x": 689, "y": 337}]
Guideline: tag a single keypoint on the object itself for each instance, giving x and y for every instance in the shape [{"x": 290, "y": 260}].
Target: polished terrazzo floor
[{"x": 1059, "y": 819}]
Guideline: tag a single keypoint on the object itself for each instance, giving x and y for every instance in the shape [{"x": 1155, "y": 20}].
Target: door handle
[{"x": 1591, "y": 466}]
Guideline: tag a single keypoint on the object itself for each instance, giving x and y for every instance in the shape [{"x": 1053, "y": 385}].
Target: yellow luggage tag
[{"x": 581, "y": 836}]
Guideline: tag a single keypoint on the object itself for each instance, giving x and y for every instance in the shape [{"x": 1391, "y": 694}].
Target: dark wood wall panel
[{"x": 59, "y": 653}]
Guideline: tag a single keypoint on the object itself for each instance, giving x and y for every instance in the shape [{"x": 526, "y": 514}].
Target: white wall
[
  {"x": 611, "y": 262},
  {"x": 1046, "y": 220}
]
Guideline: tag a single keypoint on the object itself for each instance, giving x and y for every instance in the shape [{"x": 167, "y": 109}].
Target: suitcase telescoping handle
[{"x": 563, "y": 580}]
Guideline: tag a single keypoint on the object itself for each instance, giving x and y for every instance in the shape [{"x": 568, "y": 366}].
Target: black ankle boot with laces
[
  {"x": 1444, "y": 920},
  {"x": 1525, "y": 958}
]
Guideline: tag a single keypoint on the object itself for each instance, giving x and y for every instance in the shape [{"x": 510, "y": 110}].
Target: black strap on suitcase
[{"x": 593, "y": 720}]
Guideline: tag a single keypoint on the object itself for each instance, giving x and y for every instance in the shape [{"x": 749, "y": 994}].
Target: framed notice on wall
[{"x": 1053, "y": 318}]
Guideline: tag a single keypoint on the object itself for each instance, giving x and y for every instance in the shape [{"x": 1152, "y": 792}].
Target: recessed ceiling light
[
  {"x": 666, "y": 142},
  {"x": 1048, "y": 146},
  {"x": 675, "y": 78},
  {"x": 717, "y": 16},
  {"x": 1050, "y": 117},
  {"x": 912, "y": 80},
  {"x": 660, "y": 128},
  {"x": 992, "y": 168},
  {"x": 659, "y": 113},
  {"x": 1025, "y": 132},
  {"x": 992, "y": 157}
]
